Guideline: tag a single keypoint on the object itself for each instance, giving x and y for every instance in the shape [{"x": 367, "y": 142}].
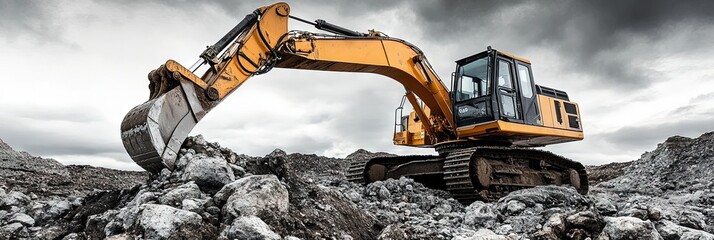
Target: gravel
[{"x": 215, "y": 193}]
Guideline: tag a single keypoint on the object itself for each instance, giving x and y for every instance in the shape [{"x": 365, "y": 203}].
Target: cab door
[
  {"x": 507, "y": 92},
  {"x": 529, "y": 101}
]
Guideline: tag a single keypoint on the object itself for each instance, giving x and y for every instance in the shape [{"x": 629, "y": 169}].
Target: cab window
[
  {"x": 524, "y": 74},
  {"x": 473, "y": 80}
]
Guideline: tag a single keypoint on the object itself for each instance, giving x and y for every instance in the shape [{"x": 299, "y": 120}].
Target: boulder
[
  {"x": 634, "y": 212},
  {"x": 191, "y": 205},
  {"x": 393, "y": 232},
  {"x": 208, "y": 172},
  {"x": 96, "y": 225},
  {"x": 586, "y": 220},
  {"x": 604, "y": 206},
  {"x": 480, "y": 214},
  {"x": 252, "y": 195},
  {"x": 43, "y": 211},
  {"x": 22, "y": 218},
  {"x": 49, "y": 232},
  {"x": 161, "y": 222},
  {"x": 176, "y": 196},
  {"x": 546, "y": 196},
  {"x": 13, "y": 198},
  {"x": 553, "y": 228},
  {"x": 671, "y": 231},
  {"x": 13, "y": 231},
  {"x": 250, "y": 227},
  {"x": 628, "y": 228}
]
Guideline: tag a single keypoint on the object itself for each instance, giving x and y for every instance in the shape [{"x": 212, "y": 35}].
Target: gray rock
[
  {"x": 514, "y": 207},
  {"x": 671, "y": 231},
  {"x": 13, "y": 198},
  {"x": 481, "y": 234},
  {"x": 553, "y": 228},
  {"x": 96, "y": 225},
  {"x": 634, "y": 212},
  {"x": 250, "y": 227},
  {"x": 628, "y": 228},
  {"x": 238, "y": 171},
  {"x": 208, "y": 172},
  {"x": 3, "y": 216},
  {"x": 191, "y": 205},
  {"x": 546, "y": 196},
  {"x": 49, "y": 232},
  {"x": 176, "y": 196},
  {"x": 384, "y": 193},
  {"x": 252, "y": 195},
  {"x": 692, "y": 219},
  {"x": 123, "y": 236},
  {"x": 13, "y": 231},
  {"x": 161, "y": 222},
  {"x": 127, "y": 215},
  {"x": 393, "y": 232},
  {"x": 353, "y": 196},
  {"x": 480, "y": 214},
  {"x": 72, "y": 236},
  {"x": 22, "y": 218},
  {"x": 43, "y": 211},
  {"x": 586, "y": 220},
  {"x": 604, "y": 206},
  {"x": 524, "y": 224},
  {"x": 654, "y": 213}
]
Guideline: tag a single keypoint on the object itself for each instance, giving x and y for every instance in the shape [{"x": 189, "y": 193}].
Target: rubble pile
[{"x": 214, "y": 193}]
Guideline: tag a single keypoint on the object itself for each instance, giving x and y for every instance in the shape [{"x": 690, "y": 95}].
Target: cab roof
[{"x": 481, "y": 54}]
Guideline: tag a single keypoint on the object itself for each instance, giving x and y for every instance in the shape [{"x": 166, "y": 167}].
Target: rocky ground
[
  {"x": 215, "y": 193},
  {"x": 46, "y": 178}
]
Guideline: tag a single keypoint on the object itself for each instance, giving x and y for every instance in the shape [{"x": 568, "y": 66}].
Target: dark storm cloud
[
  {"x": 588, "y": 35},
  {"x": 28, "y": 18}
]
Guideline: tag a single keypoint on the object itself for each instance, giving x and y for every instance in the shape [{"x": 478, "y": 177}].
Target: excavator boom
[{"x": 153, "y": 132}]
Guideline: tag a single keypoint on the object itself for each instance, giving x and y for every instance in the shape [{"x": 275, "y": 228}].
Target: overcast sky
[{"x": 641, "y": 71}]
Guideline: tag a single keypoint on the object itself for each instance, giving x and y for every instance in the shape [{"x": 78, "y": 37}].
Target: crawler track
[
  {"x": 483, "y": 173},
  {"x": 517, "y": 168}
]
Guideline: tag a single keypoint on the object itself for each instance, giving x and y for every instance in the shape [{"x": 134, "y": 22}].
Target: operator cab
[
  {"x": 491, "y": 86},
  {"x": 496, "y": 101}
]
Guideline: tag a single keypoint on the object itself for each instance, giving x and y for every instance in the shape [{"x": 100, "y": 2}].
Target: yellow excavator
[{"x": 484, "y": 130}]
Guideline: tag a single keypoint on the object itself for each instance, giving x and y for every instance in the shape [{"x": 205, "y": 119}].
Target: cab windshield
[{"x": 473, "y": 80}]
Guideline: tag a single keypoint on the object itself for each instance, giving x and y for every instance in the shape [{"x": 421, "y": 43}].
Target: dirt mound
[
  {"x": 678, "y": 165},
  {"x": 602, "y": 173},
  {"x": 20, "y": 171}
]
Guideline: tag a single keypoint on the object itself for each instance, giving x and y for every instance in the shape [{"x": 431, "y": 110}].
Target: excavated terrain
[
  {"x": 215, "y": 193},
  {"x": 45, "y": 178}
]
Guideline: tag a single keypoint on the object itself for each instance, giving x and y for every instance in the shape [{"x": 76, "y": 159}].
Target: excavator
[{"x": 485, "y": 129}]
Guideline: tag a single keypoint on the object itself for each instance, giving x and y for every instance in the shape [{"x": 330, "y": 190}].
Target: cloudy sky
[{"x": 641, "y": 71}]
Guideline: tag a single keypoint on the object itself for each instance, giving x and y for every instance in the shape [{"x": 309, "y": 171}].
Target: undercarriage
[{"x": 476, "y": 173}]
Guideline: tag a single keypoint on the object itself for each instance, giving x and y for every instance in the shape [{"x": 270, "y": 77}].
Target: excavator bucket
[{"x": 154, "y": 131}]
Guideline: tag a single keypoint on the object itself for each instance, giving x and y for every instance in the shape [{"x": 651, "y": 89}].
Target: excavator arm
[{"x": 154, "y": 131}]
